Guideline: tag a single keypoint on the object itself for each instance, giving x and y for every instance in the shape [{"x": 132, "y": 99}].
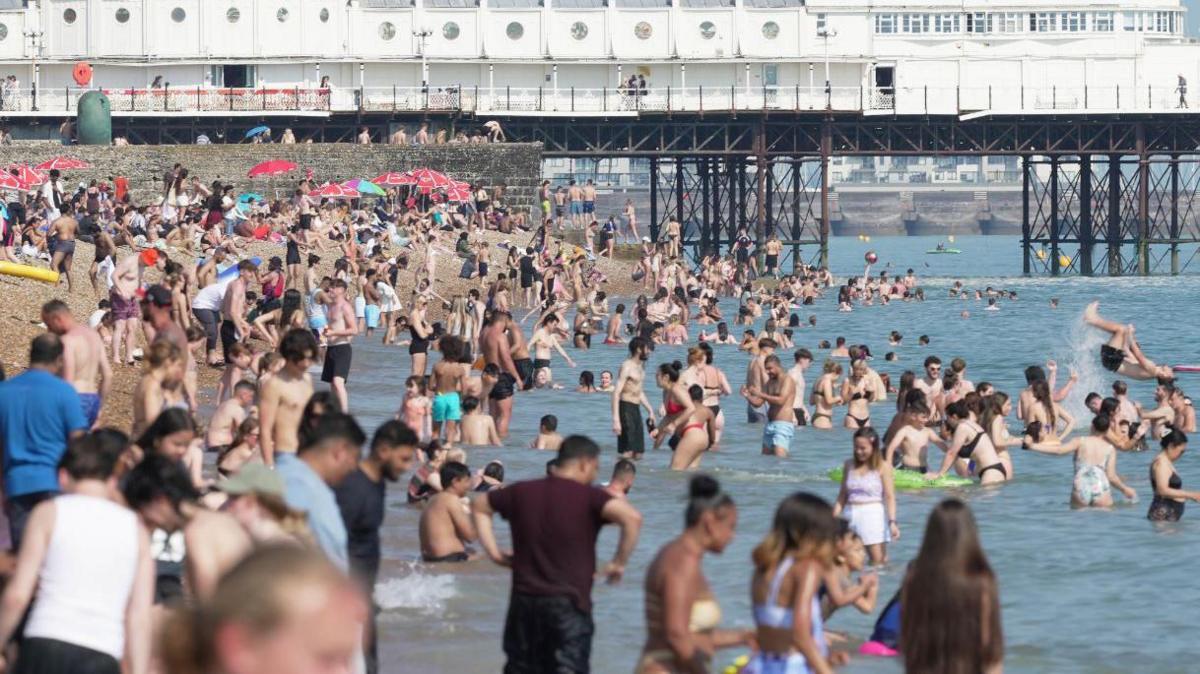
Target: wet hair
[
  {"x": 576, "y": 448},
  {"x": 1173, "y": 438},
  {"x": 958, "y": 409},
  {"x": 696, "y": 392},
  {"x": 470, "y": 404},
  {"x": 1100, "y": 423},
  {"x": 166, "y": 423},
  {"x": 296, "y": 344},
  {"x": 451, "y": 471},
  {"x": 494, "y": 470},
  {"x": 704, "y": 495},
  {"x": 992, "y": 409},
  {"x": 1041, "y": 393},
  {"x": 1120, "y": 388},
  {"x": 1034, "y": 373},
  {"x": 638, "y": 343},
  {"x": 1092, "y": 396},
  {"x": 872, "y": 437},
  {"x": 158, "y": 476},
  {"x": 88, "y": 458},
  {"x": 803, "y": 526},
  {"x": 1109, "y": 406},
  {"x": 671, "y": 370},
  {"x": 918, "y": 406},
  {"x": 708, "y": 352},
  {"x": 587, "y": 378},
  {"x": 549, "y": 422}
]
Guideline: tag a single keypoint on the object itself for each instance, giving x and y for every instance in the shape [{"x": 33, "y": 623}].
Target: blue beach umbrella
[{"x": 257, "y": 131}]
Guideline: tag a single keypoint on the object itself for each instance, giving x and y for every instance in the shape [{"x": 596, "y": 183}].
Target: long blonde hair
[{"x": 803, "y": 527}]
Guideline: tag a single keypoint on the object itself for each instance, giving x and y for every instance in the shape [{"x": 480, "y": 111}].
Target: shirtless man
[
  {"x": 628, "y": 399},
  {"x": 84, "y": 363},
  {"x": 338, "y": 333},
  {"x": 779, "y": 394},
  {"x": 931, "y": 385},
  {"x": 228, "y": 416},
  {"x": 756, "y": 375},
  {"x": 448, "y": 379},
  {"x": 913, "y": 439},
  {"x": 575, "y": 199},
  {"x": 589, "y": 201},
  {"x": 803, "y": 360},
  {"x": 520, "y": 355},
  {"x": 544, "y": 339},
  {"x": 285, "y": 395},
  {"x": 234, "y": 326},
  {"x": 622, "y": 479},
  {"x": 773, "y": 248},
  {"x": 446, "y": 527},
  {"x": 1122, "y": 354},
  {"x": 62, "y": 232},
  {"x": 560, "y": 207},
  {"x": 398, "y": 137},
  {"x": 493, "y": 342}
]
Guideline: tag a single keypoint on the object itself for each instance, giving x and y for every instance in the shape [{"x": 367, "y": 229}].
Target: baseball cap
[
  {"x": 158, "y": 296},
  {"x": 253, "y": 478}
]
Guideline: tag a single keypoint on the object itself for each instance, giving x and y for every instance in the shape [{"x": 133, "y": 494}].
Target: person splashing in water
[{"x": 1121, "y": 354}]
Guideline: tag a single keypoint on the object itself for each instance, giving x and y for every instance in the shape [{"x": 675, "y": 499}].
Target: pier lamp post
[
  {"x": 35, "y": 47},
  {"x": 827, "y": 33},
  {"x": 422, "y": 35}
]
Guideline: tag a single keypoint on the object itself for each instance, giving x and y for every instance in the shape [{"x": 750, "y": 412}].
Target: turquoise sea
[{"x": 1095, "y": 591}]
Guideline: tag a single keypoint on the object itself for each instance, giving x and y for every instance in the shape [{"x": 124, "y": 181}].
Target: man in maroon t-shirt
[{"x": 554, "y": 524}]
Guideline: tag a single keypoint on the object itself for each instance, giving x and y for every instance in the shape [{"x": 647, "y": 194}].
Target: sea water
[{"x": 1082, "y": 591}]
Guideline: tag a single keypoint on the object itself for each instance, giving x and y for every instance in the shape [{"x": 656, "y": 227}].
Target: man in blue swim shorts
[
  {"x": 448, "y": 379},
  {"x": 778, "y": 392},
  {"x": 85, "y": 366}
]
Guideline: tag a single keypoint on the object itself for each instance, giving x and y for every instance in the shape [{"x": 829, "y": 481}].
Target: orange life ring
[{"x": 82, "y": 74}]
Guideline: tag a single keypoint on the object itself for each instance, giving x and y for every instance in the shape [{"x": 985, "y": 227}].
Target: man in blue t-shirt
[{"x": 39, "y": 413}]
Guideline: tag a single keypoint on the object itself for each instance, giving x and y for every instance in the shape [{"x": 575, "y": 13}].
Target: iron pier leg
[
  {"x": 1115, "y": 265},
  {"x": 1025, "y": 227},
  {"x": 718, "y": 218},
  {"x": 1055, "y": 267},
  {"x": 653, "y": 198},
  {"x": 678, "y": 193},
  {"x": 797, "y": 166},
  {"x": 1143, "y": 207},
  {"x": 826, "y": 150},
  {"x": 706, "y": 220},
  {"x": 1174, "y": 214},
  {"x": 1087, "y": 235}
]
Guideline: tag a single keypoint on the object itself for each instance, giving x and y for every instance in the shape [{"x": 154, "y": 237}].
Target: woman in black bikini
[
  {"x": 823, "y": 397},
  {"x": 970, "y": 444},
  {"x": 1169, "y": 495},
  {"x": 858, "y": 394},
  {"x": 420, "y": 330}
]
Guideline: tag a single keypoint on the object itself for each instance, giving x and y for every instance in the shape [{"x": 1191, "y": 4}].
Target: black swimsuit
[
  {"x": 1164, "y": 509},
  {"x": 968, "y": 449},
  {"x": 419, "y": 344},
  {"x": 1111, "y": 358}
]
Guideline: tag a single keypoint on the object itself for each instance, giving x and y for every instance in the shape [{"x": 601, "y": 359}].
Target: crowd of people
[{"x": 249, "y": 541}]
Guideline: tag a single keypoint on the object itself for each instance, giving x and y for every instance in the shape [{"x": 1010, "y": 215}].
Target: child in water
[
  {"x": 478, "y": 429},
  {"x": 416, "y": 409},
  {"x": 839, "y": 587},
  {"x": 548, "y": 437}
]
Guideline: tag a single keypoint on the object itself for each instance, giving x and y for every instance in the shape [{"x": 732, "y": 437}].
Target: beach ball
[
  {"x": 871, "y": 257},
  {"x": 1064, "y": 261}
]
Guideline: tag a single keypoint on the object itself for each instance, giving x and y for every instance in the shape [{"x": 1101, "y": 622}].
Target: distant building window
[
  {"x": 1043, "y": 22},
  {"x": 122, "y": 15},
  {"x": 514, "y": 30},
  {"x": 69, "y": 16},
  {"x": 1072, "y": 22},
  {"x": 979, "y": 22},
  {"x": 885, "y": 24},
  {"x": 708, "y": 30},
  {"x": 324, "y": 15},
  {"x": 946, "y": 23},
  {"x": 178, "y": 15},
  {"x": 770, "y": 30},
  {"x": 233, "y": 14},
  {"x": 643, "y": 30},
  {"x": 387, "y": 30},
  {"x": 915, "y": 23},
  {"x": 1102, "y": 22},
  {"x": 450, "y": 30},
  {"x": 820, "y": 23},
  {"x": 3, "y": 32},
  {"x": 1010, "y": 22},
  {"x": 1162, "y": 22},
  {"x": 579, "y": 30}
]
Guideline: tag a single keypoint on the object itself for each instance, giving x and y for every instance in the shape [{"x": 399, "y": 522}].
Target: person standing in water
[
  {"x": 1169, "y": 495},
  {"x": 956, "y": 631},
  {"x": 341, "y": 329},
  {"x": 779, "y": 394},
  {"x": 682, "y": 614},
  {"x": 283, "y": 397},
  {"x": 868, "y": 496},
  {"x": 1095, "y": 466},
  {"x": 628, "y": 399}
]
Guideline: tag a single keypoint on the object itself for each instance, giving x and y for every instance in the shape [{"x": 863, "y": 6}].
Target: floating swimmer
[{"x": 1121, "y": 354}]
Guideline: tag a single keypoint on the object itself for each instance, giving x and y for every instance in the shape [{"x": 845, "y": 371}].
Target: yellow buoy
[
  {"x": 867, "y": 239},
  {"x": 860, "y": 237},
  {"x": 1064, "y": 261},
  {"x": 26, "y": 271}
]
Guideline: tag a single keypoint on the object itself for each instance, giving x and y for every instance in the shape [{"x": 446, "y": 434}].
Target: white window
[
  {"x": 820, "y": 23},
  {"x": 1010, "y": 22},
  {"x": 885, "y": 24},
  {"x": 1162, "y": 22},
  {"x": 1043, "y": 22},
  {"x": 1102, "y": 22},
  {"x": 915, "y": 23},
  {"x": 979, "y": 22},
  {"x": 1130, "y": 20},
  {"x": 945, "y": 23},
  {"x": 1072, "y": 22}
]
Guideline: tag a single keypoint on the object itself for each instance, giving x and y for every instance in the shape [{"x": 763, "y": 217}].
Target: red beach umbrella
[
  {"x": 63, "y": 164},
  {"x": 430, "y": 179},
  {"x": 9, "y": 181},
  {"x": 334, "y": 191},
  {"x": 27, "y": 175},
  {"x": 274, "y": 167},
  {"x": 458, "y": 193},
  {"x": 395, "y": 179}
]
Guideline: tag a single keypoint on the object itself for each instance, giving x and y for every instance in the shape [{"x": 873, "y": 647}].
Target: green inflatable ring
[{"x": 911, "y": 479}]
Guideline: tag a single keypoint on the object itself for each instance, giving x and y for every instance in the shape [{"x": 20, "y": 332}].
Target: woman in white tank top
[{"x": 87, "y": 559}]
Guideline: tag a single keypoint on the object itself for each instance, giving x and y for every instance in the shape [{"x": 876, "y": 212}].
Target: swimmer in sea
[
  {"x": 970, "y": 443},
  {"x": 1121, "y": 354},
  {"x": 1095, "y": 466},
  {"x": 445, "y": 526},
  {"x": 913, "y": 439}
]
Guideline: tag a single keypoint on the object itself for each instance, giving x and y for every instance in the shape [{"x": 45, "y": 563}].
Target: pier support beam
[
  {"x": 653, "y": 198},
  {"x": 1026, "y": 244},
  {"x": 1055, "y": 254},
  {"x": 826, "y": 151},
  {"x": 1143, "y": 202},
  {"x": 1087, "y": 234},
  {"x": 1113, "y": 234},
  {"x": 1174, "y": 226}
]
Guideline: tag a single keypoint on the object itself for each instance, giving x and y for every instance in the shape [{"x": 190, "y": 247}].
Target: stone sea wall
[{"x": 515, "y": 165}]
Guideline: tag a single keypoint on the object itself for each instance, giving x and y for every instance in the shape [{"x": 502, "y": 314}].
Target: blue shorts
[
  {"x": 447, "y": 407},
  {"x": 91, "y": 407},
  {"x": 576, "y": 208},
  {"x": 589, "y": 207},
  {"x": 372, "y": 315},
  {"x": 779, "y": 434}
]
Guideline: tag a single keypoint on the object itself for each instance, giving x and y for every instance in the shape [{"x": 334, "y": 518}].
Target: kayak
[
  {"x": 943, "y": 251},
  {"x": 911, "y": 479}
]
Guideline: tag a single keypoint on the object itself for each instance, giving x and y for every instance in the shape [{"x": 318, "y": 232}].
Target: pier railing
[{"x": 601, "y": 101}]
